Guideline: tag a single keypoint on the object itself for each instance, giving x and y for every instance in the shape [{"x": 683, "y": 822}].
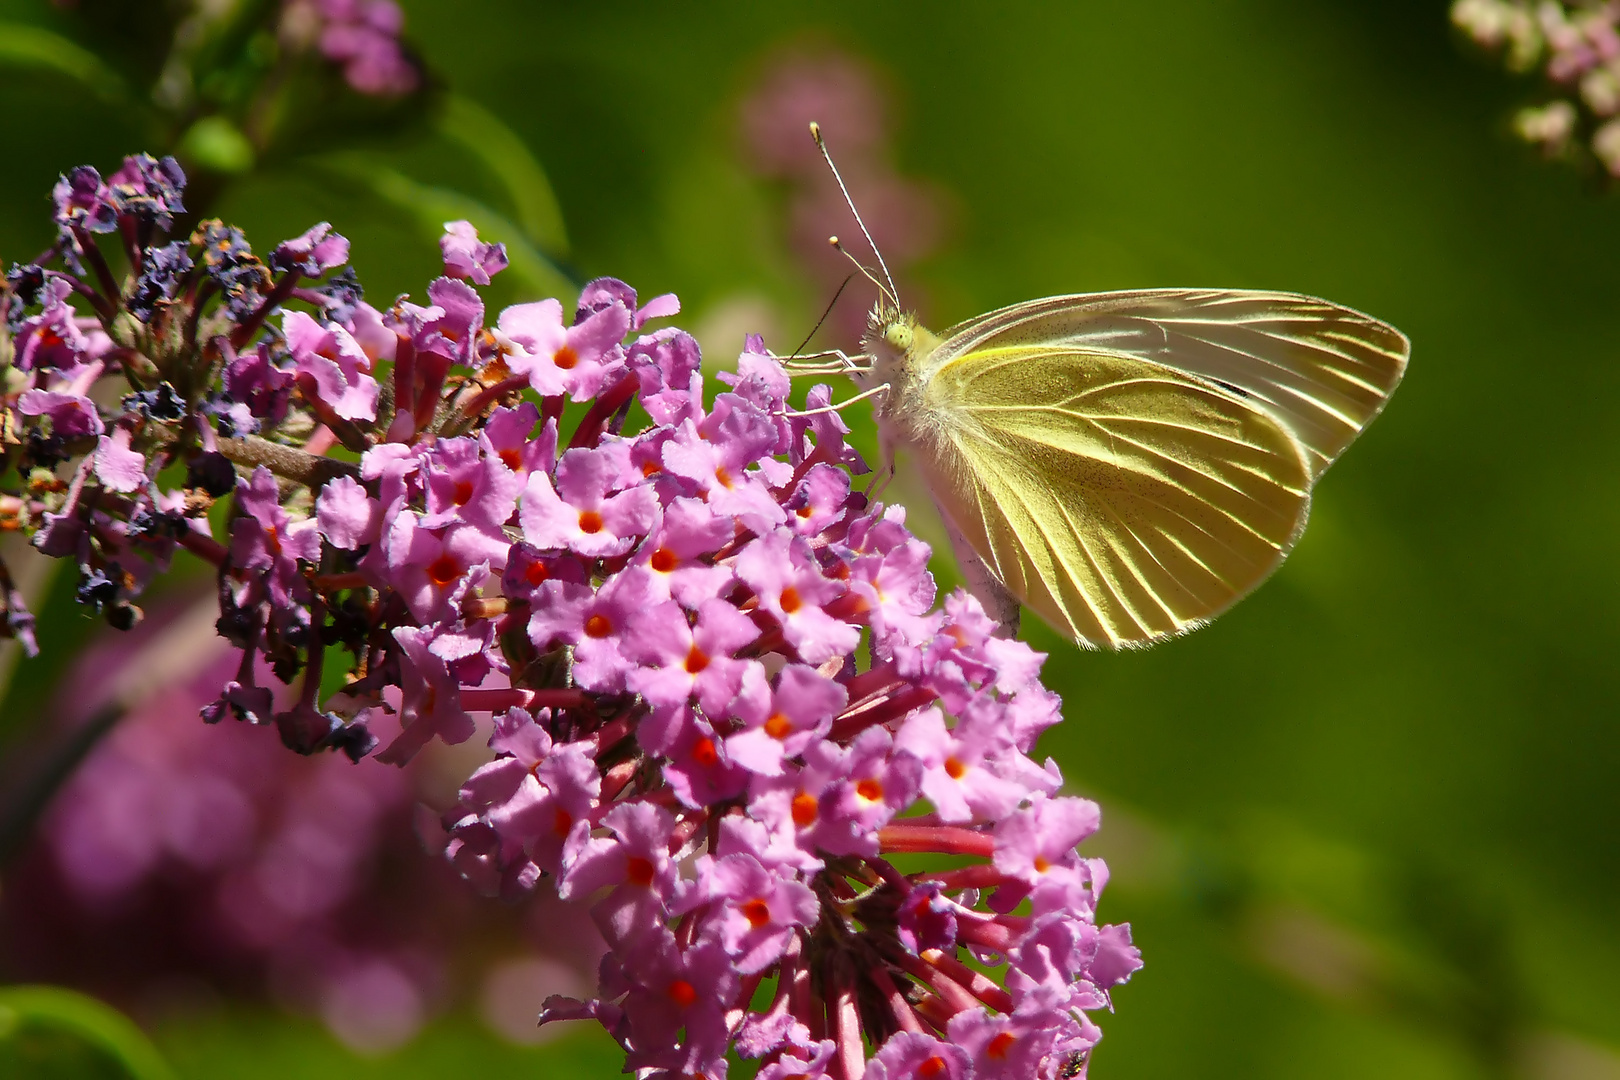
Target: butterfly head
[
  {"x": 894, "y": 329},
  {"x": 896, "y": 345}
]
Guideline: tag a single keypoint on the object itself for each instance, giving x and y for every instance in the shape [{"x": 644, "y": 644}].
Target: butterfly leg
[
  {"x": 845, "y": 362},
  {"x": 879, "y": 482},
  {"x": 840, "y": 405}
]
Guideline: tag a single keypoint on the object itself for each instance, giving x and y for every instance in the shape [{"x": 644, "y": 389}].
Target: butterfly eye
[{"x": 899, "y": 335}]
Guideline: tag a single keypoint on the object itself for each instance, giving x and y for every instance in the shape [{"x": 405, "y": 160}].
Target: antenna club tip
[
  {"x": 832, "y": 241},
  {"x": 815, "y": 131}
]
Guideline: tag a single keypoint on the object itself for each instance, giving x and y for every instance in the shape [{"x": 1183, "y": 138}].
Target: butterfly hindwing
[{"x": 1121, "y": 500}]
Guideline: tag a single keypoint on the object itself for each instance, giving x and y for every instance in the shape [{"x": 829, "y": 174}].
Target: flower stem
[
  {"x": 500, "y": 700},
  {"x": 947, "y": 839},
  {"x": 285, "y": 461},
  {"x": 846, "y": 1018}
]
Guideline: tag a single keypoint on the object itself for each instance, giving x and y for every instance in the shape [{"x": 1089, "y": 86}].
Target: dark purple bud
[
  {"x": 229, "y": 262},
  {"x": 46, "y": 451},
  {"x": 156, "y": 525},
  {"x": 354, "y": 740},
  {"x": 148, "y": 189},
  {"x": 161, "y": 274},
  {"x": 340, "y": 294},
  {"x": 250, "y": 703},
  {"x": 96, "y": 589},
  {"x": 237, "y": 623},
  {"x": 213, "y": 473},
  {"x": 24, "y": 280},
  {"x": 162, "y": 403},
  {"x": 305, "y": 729}
]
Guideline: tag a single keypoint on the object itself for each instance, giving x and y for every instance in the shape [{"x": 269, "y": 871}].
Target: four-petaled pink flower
[
  {"x": 579, "y": 513},
  {"x": 557, "y": 359}
]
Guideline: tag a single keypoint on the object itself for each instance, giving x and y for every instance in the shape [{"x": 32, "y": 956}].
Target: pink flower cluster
[
  {"x": 360, "y": 35},
  {"x": 752, "y": 707},
  {"x": 1578, "y": 47},
  {"x": 726, "y": 712}
]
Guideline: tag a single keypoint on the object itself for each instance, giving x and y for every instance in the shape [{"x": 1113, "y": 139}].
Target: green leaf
[
  {"x": 433, "y": 206},
  {"x": 105, "y": 1028},
  {"x": 506, "y": 155},
  {"x": 30, "y": 47}
]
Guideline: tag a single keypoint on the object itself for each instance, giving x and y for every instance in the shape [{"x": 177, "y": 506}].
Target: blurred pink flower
[
  {"x": 846, "y": 97},
  {"x": 215, "y": 849}
]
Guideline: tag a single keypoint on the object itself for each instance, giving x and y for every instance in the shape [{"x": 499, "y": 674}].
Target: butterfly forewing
[
  {"x": 1122, "y": 500},
  {"x": 1320, "y": 370}
]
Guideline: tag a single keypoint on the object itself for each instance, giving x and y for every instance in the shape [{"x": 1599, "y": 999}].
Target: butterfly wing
[
  {"x": 1321, "y": 370},
  {"x": 1120, "y": 499}
]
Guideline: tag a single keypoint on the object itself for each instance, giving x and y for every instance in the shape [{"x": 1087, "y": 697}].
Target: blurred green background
[{"x": 1367, "y": 822}]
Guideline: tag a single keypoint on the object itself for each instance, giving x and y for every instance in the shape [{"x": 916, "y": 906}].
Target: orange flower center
[
  {"x": 931, "y": 1068},
  {"x": 954, "y": 769},
  {"x": 807, "y": 511},
  {"x": 805, "y": 806},
  {"x": 682, "y": 993},
  {"x": 1041, "y": 865},
  {"x": 757, "y": 912},
  {"x": 444, "y": 571},
  {"x": 778, "y": 726},
  {"x": 566, "y": 358},
  {"x": 704, "y": 753},
  {"x": 696, "y": 660},
  {"x": 1001, "y": 1044},
  {"x": 638, "y": 871},
  {"x": 598, "y": 626},
  {"x": 563, "y": 821},
  {"x": 590, "y": 522},
  {"x": 663, "y": 560},
  {"x": 535, "y": 573},
  {"x": 790, "y": 600},
  {"x": 511, "y": 458},
  {"x": 723, "y": 477},
  {"x": 870, "y": 789},
  {"x": 463, "y": 492}
]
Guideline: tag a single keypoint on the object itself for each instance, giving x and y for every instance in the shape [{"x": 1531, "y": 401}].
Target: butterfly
[{"x": 1126, "y": 464}]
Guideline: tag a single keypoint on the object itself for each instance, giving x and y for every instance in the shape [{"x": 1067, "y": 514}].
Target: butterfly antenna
[
  {"x": 830, "y": 305},
  {"x": 893, "y": 293},
  {"x": 838, "y": 246}
]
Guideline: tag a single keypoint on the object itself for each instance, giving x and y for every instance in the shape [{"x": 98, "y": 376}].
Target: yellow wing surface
[
  {"x": 1130, "y": 464},
  {"x": 1320, "y": 370},
  {"x": 1120, "y": 499}
]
